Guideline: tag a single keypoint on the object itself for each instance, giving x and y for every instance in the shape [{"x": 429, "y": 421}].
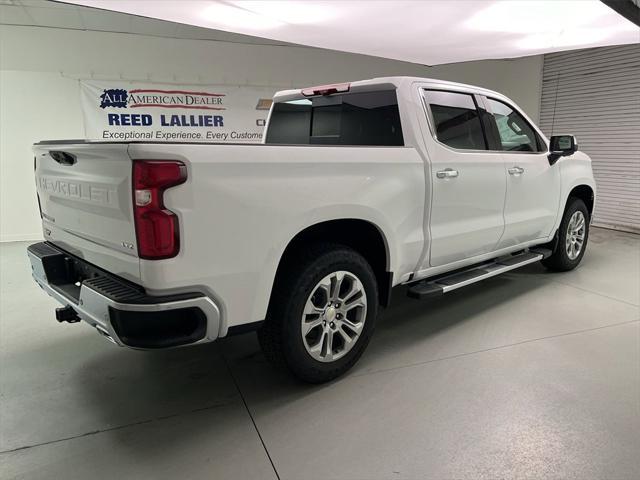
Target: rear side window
[
  {"x": 516, "y": 134},
  {"x": 370, "y": 118},
  {"x": 456, "y": 120}
]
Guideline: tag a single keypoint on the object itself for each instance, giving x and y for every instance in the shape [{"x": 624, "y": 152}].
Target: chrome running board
[{"x": 448, "y": 282}]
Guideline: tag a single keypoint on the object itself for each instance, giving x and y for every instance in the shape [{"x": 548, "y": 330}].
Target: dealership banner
[{"x": 128, "y": 111}]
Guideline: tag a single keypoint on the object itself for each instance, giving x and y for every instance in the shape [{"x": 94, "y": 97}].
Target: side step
[{"x": 448, "y": 282}]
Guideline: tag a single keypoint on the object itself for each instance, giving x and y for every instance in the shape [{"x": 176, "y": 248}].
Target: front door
[
  {"x": 468, "y": 182},
  {"x": 533, "y": 186}
]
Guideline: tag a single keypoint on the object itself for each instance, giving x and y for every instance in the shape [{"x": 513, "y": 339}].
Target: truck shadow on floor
[{"x": 127, "y": 387}]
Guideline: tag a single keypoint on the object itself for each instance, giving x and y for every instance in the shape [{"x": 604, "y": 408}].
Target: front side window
[
  {"x": 516, "y": 135},
  {"x": 366, "y": 119},
  {"x": 456, "y": 120}
]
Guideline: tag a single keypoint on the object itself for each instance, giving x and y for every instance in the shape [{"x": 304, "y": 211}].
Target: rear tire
[
  {"x": 573, "y": 235},
  {"x": 322, "y": 313}
]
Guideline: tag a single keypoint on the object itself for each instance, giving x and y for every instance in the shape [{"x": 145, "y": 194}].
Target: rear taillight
[{"x": 157, "y": 229}]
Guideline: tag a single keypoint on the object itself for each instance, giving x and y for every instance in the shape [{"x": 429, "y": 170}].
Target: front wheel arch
[{"x": 584, "y": 193}]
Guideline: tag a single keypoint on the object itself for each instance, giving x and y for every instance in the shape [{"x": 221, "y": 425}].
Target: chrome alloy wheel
[
  {"x": 576, "y": 231},
  {"x": 334, "y": 316}
]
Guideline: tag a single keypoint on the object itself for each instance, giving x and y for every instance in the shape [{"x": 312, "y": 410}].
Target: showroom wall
[{"x": 40, "y": 98}]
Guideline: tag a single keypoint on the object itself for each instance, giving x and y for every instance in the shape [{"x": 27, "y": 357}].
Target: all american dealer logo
[
  {"x": 121, "y": 98},
  {"x": 163, "y": 99}
]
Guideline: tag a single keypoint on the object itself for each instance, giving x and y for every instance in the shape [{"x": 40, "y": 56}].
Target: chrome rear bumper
[{"x": 119, "y": 310}]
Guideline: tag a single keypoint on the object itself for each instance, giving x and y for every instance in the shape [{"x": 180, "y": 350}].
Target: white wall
[{"x": 40, "y": 98}]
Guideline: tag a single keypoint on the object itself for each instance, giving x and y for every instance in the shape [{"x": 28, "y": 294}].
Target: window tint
[
  {"x": 290, "y": 122},
  {"x": 515, "y": 132},
  {"x": 370, "y": 118},
  {"x": 456, "y": 120}
]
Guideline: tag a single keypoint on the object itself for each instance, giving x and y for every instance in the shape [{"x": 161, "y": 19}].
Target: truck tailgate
[{"x": 85, "y": 195}]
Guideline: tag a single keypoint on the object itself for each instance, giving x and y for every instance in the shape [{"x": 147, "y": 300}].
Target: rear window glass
[
  {"x": 370, "y": 118},
  {"x": 456, "y": 120}
]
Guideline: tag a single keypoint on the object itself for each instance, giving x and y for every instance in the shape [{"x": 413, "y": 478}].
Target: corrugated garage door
[{"x": 595, "y": 94}]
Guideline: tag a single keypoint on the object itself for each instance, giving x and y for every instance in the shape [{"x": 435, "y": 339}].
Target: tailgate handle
[{"x": 63, "y": 158}]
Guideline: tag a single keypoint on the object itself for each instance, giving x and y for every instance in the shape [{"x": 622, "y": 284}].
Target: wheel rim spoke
[
  {"x": 356, "y": 327},
  {"x": 352, "y": 305},
  {"x": 351, "y": 293},
  {"x": 308, "y": 326},
  {"x": 311, "y": 309},
  {"x": 345, "y": 336},
  {"x": 316, "y": 348},
  {"x": 326, "y": 288},
  {"x": 328, "y": 347},
  {"x": 336, "y": 283}
]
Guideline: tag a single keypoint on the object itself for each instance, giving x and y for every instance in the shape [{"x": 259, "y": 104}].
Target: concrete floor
[{"x": 528, "y": 375}]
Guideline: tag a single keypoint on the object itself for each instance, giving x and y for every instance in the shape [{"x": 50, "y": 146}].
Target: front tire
[
  {"x": 322, "y": 313},
  {"x": 573, "y": 235}
]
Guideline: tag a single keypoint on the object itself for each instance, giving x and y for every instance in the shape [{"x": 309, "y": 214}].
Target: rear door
[
  {"x": 533, "y": 186},
  {"x": 468, "y": 181},
  {"x": 85, "y": 195}
]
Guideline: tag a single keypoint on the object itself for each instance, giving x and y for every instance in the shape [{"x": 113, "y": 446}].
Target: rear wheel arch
[{"x": 360, "y": 235}]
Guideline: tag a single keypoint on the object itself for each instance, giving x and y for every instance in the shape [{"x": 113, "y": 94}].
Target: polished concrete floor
[{"x": 528, "y": 375}]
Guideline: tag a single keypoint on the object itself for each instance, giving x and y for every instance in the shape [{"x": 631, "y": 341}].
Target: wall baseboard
[
  {"x": 21, "y": 237},
  {"x": 619, "y": 228}
]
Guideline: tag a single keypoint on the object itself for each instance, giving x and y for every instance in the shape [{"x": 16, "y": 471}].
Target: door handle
[
  {"x": 516, "y": 171},
  {"x": 447, "y": 173}
]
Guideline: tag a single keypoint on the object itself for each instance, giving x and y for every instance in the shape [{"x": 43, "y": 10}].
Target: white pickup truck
[{"x": 357, "y": 188}]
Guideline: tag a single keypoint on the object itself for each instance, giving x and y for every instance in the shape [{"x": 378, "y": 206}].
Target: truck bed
[{"x": 237, "y": 210}]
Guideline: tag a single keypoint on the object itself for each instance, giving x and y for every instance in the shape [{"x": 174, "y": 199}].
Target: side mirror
[{"x": 561, "y": 146}]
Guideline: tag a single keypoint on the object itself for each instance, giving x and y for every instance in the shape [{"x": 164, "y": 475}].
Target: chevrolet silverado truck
[{"x": 357, "y": 188}]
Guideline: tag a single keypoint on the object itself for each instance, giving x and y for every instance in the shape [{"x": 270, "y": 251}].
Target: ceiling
[
  {"x": 42, "y": 13},
  {"x": 428, "y": 32}
]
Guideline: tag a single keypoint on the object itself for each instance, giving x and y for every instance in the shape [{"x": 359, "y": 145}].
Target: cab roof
[{"x": 381, "y": 83}]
